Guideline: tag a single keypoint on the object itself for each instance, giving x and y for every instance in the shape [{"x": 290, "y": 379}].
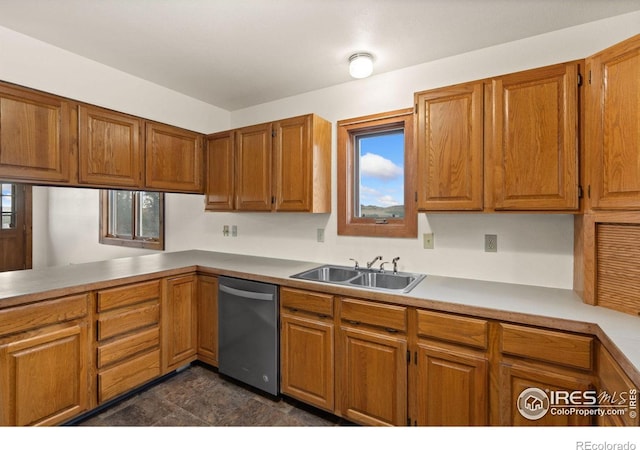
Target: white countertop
[{"x": 556, "y": 308}]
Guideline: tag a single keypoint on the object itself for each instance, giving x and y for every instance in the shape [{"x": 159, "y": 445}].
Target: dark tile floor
[{"x": 198, "y": 396}]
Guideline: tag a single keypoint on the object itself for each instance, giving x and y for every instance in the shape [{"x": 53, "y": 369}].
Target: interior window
[
  {"x": 132, "y": 219},
  {"x": 7, "y": 206},
  {"x": 376, "y": 175}
]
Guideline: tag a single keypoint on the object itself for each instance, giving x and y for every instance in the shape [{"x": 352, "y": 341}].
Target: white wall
[{"x": 533, "y": 249}]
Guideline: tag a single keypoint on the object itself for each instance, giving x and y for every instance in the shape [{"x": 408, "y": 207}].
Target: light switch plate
[
  {"x": 320, "y": 234},
  {"x": 234, "y": 230}
]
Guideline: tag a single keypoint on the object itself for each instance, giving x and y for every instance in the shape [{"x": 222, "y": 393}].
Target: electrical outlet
[
  {"x": 320, "y": 234},
  {"x": 225, "y": 230},
  {"x": 234, "y": 230},
  {"x": 491, "y": 243},
  {"x": 427, "y": 241}
]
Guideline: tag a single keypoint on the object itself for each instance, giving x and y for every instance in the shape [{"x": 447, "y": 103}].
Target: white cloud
[
  {"x": 371, "y": 196},
  {"x": 376, "y": 166},
  {"x": 387, "y": 200},
  {"x": 369, "y": 192}
]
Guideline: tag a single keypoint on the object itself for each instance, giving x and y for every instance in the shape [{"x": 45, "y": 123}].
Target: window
[
  {"x": 376, "y": 176},
  {"x": 8, "y": 206},
  {"x": 132, "y": 219}
]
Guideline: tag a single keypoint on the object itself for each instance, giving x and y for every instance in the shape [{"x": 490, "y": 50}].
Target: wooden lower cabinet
[
  {"x": 537, "y": 369},
  {"x": 128, "y": 333},
  {"x": 208, "y": 319},
  {"x": 372, "y": 361},
  {"x": 373, "y": 375},
  {"x": 179, "y": 322},
  {"x": 519, "y": 408},
  {"x": 44, "y": 363},
  {"x": 618, "y": 392},
  {"x": 307, "y": 347},
  {"x": 451, "y": 386}
]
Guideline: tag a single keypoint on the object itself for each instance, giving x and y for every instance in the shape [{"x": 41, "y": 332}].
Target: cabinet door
[
  {"x": 306, "y": 359},
  {"x": 34, "y": 136},
  {"x": 533, "y": 139},
  {"x": 373, "y": 377},
  {"x": 174, "y": 159},
  {"x": 208, "y": 319},
  {"x": 253, "y": 168},
  {"x": 451, "y": 387},
  {"x": 292, "y": 164},
  {"x": 516, "y": 377},
  {"x": 179, "y": 322},
  {"x": 109, "y": 148},
  {"x": 43, "y": 376},
  {"x": 612, "y": 131},
  {"x": 450, "y": 148},
  {"x": 219, "y": 191}
]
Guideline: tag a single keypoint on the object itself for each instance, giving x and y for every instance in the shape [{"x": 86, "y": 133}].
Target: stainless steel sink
[
  {"x": 383, "y": 280},
  {"x": 401, "y": 282},
  {"x": 328, "y": 274}
]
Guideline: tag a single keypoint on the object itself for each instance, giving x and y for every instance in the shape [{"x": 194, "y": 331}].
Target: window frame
[
  {"x": 135, "y": 241},
  {"x": 348, "y": 223}
]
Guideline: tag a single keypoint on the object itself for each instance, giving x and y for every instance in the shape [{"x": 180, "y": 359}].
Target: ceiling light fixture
[{"x": 360, "y": 65}]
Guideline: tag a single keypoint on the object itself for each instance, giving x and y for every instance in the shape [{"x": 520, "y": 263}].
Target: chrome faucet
[
  {"x": 394, "y": 261},
  {"x": 356, "y": 266},
  {"x": 377, "y": 258}
]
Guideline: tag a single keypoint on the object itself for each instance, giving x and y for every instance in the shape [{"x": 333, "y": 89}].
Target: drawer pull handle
[
  {"x": 322, "y": 316},
  {"x": 353, "y": 322},
  {"x": 391, "y": 330},
  {"x": 293, "y": 309}
]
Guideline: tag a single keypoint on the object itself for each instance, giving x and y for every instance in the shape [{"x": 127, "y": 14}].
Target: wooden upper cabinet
[
  {"x": 532, "y": 125},
  {"x": 109, "y": 148},
  {"x": 612, "y": 131},
  {"x": 174, "y": 159},
  {"x": 302, "y": 164},
  {"x": 275, "y": 166},
  {"x": 34, "y": 136},
  {"x": 253, "y": 167},
  {"x": 219, "y": 191},
  {"x": 450, "y": 148}
]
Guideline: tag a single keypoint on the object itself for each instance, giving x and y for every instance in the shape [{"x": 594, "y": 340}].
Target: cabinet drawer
[
  {"x": 128, "y": 375},
  {"x": 449, "y": 327},
  {"x": 127, "y": 346},
  {"x": 376, "y": 314},
  {"x": 307, "y": 301},
  {"x": 128, "y": 295},
  {"x": 127, "y": 319},
  {"x": 545, "y": 345},
  {"x": 22, "y": 318}
]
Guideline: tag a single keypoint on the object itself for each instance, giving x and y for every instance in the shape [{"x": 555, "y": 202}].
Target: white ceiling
[{"x": 239, "y": 53}]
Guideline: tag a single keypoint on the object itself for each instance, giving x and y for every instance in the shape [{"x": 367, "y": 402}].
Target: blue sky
[
  {"x": 6, "y": 199},
  {"x": 382, "y": 169}
]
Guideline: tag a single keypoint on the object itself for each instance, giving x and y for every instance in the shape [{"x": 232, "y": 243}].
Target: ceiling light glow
[{"x": 360, "y": 65}]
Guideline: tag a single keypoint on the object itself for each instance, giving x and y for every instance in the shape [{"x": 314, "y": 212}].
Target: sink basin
[
  {"x": 401, "y": 282},
  {"x": 383, "y": 280},
  {"x": 328, "y": 274}
]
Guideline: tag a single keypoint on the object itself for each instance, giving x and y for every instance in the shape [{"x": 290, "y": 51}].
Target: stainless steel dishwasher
[{"x": 248, "y": 332}]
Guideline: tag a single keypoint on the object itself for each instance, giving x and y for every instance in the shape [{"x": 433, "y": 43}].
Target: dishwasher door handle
[{"x": 247, "y": 294}]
